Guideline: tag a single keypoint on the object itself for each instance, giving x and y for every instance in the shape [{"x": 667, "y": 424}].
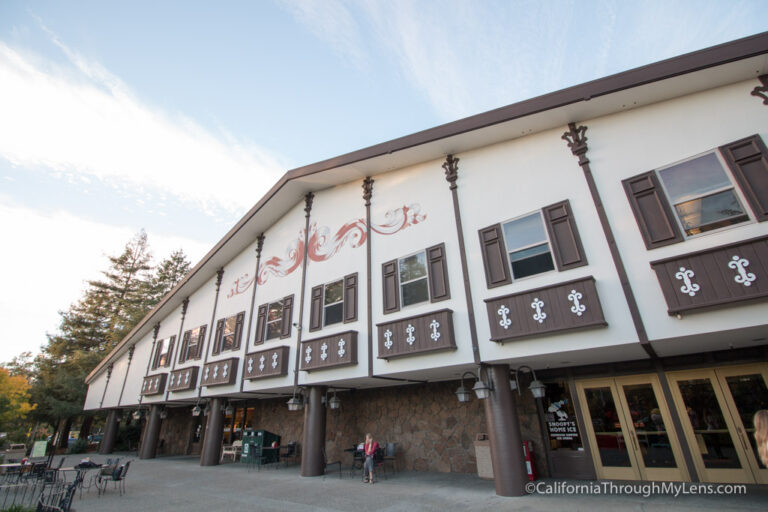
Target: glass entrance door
[
  {"x": 719, "y": 405},
  {"x": 630, "y": 430}
]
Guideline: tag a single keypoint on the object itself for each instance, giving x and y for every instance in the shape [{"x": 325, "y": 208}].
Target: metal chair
[
  {"x": 117, "y": 477},
  {"x": 389, "y": 455},
  {"x": 232, "y": 450},
  {"x": 289, "y": 452},
  {"x": 330, "y": 464}
]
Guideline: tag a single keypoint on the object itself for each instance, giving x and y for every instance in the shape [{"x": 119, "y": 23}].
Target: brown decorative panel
[
  {"x": 495, "y": 262},
  {"x": 154, "y": 384},
  {"x": 266, "y": 363},
  {"x": 714, "y": 277},
  {"x": 329, "y": 351},
  {"x": 652, "y": 211},
  {"x": 184, "y": 379},
  {"x": 417, "y": 334},
  {"x": 561, "y": 307},
  {"x": 748, "y": 159},
  {"x": 220, "y": 372}
]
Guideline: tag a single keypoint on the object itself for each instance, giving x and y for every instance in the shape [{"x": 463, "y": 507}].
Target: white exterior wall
[
  {"x": 332, "y": 209},
  {"x": 508, "y": 180},
  {"x": 278, "y": 240},
  {"x": 136, "y": 372},
  {"x": 95, "y": 391},
  {"x": 424, "y": 186},
  {"x": 630, "y": 143}
]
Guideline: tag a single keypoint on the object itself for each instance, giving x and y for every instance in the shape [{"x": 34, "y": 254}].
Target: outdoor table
[
  {"x": 6, "y": 467},
  {"x": 86, "y": 470}
]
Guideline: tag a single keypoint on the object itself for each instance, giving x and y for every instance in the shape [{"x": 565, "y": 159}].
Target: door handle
[{"x": 741, "y": 437}]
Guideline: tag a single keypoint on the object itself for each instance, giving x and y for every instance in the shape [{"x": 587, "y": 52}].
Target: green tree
[
  {"x": 166, "y": 276},
  {"x": 14, "y": 403}
]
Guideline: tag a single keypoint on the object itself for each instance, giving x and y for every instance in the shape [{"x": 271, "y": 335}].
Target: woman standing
[
  {"x": 761, "y": 435},
  {"x": 369, "y": 449}
]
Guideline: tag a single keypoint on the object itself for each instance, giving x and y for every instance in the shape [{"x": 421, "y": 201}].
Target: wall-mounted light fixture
[
  {"x": 163, "y": 414},
  {"x": 196, "y": 410},
  {"x": 296, "y": 403},
  {"x": 481, "y": 388},
  {"x": 229, "y": 410},
  {"x": 537, "y": 388},
  {"x": 334, "y": 402}
]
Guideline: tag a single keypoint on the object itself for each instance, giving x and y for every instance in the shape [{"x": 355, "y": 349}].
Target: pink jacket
[{"x": 370, "y": 449}]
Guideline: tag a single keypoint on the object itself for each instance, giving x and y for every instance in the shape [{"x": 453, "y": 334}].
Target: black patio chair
[
  {"x": 327, "y": 464},
  {"x": 57, "y": 500},
  {"x": 289, "y": 453},
  {"x": 117, "y": 478}
]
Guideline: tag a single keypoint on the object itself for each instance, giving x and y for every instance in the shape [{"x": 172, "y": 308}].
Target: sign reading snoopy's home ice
[{"x": 560, "y": 426}]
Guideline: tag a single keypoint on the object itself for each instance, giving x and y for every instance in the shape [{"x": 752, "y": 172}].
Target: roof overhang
[{"x": 705, "y": 69}]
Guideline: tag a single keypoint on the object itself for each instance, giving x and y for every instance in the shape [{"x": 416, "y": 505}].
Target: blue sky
[{"x": 177, "y": 116}]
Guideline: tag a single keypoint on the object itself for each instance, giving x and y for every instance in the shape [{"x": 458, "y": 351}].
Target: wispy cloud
[{"x": 85, "y": 123}]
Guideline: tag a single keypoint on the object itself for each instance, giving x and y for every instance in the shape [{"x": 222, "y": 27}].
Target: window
[
  {"x": 416, "y": 278},
  {"x": 333, "y": 303},
  {"x": 228, "y": 333},
  {"x": 192, "y": 343},
  {"x": 699, "y": 194},
  {"x": 535, "y": 243},
  {"x": 528, "y": 246},
  {"x": 163, "y": 351},
  {"x": 274, "y": 320},
  {"x": 702, "y": 195}
]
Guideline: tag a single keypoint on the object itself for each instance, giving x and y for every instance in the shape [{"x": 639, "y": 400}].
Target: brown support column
[
  {"x": 85, "y": 427},
  {"x": 110, "y": 432},
  {"x": 507, "y": 457},
  {"x": 214, "y": 431},
  {"x": 64, "y": 433},
  {"x": 312, "y": 462},
  {"x": 152, "y": 434}
]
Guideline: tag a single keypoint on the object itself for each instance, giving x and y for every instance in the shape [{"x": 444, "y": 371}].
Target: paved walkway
[{"x": 180, "y": 483}]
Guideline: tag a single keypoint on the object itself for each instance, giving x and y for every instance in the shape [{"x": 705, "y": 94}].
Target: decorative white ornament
[
  {"x": 341, "y": 351},
  {"x": 309, "y": 355},
  {"x": 577, "y": 307},
  {"x": 186, "y": 377},
  {"x": 324, "y": 351},
  {"x": 170, "y": 384},
  {"x": 157, "y": 382},
  {"x": 388, "y": 337},
  {"x": 539, "y": 316},
  {"x": 434, "y": 325},
  {"x": 207, "y": 371},
  {"x": 144, "y": 387},
  {"x": 274, "y": 360},
  {"x": 688, "y": 287},
  {"x": 410, "y": 339},
  {"x": 505, "y": 322},
  {"x": 226, "y": 370},
  {"x": 215, "y": 372},
  {"x": 739, "y": 264}
]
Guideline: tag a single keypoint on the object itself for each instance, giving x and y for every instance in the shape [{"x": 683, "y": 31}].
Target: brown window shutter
[
  {"x": 261, "y": 323},
  {"x": 316, "y": 308},
  {"x": 748, "y": 160},
  {"x": 158, "y": 349},
  {"x": 438, "y": 274},
  {"x": 350, "y": 298},
  {"x": 239, "y": 329},
  {"x": 218, "y": 336},
  {"x": 201, "y": 341},
  {"x": 184, "y": 347},
  {"x": 497, "y": 271},
  {"x": 652, "y": 211},
  {"x": 566, "y": 243},
  {"x": 391, "y": 288},
  {"x": 170, "y": 351},
  {"x": 287, "y": 316}
]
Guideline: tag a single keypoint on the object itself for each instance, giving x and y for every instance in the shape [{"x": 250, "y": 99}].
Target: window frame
[
  {"x": 218, "y": 342},
  {"x": 547, "y": 239},
  {"x": 186, "y": 353},
  {"x": 745, "y": 205},
  {"x": 278, "y": 321},
  {"x": 339, "y": 302},
  {"x": 425, "y": 278}
]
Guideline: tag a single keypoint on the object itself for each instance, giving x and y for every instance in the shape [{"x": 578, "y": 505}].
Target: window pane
[
  {"x": 413, "y": 267},
  {"x": 333, "y": 292},
  {"x": 274, "y": 330},
  {"x": 532, "y": 265},
  {"x": 523, "y": 232},
  {"x": 710, "y": 212},
  {"x": 333, "y": 314},
  {"x": 229, "y": 325},
  {"x": 275, "y": 311},
  {"x": 415, "y": 292},
  {"x": 694, "y": 178},
  {"x": 530, "y": 252},
  {"x": 228, "y": 342}
]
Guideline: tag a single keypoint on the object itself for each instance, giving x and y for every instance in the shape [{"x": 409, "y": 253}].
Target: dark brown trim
[
  {"x": 106, "y": 384},
  {"x": 152, "y": 356},
  {"x": 691, "y": 62},
  {"x": 308, "y": 200},
  {"x": 577, "y": 142},
  {"x": 748, "y": 160},
  {"x": 219, "y": 277},
  {"x": 259, "y": 248},
  {"x": 761, "y": 90},
  {"x": 367, "y": 195},
  {"x": 451, "y": 167},
  {"x": 180, "y": 345}
]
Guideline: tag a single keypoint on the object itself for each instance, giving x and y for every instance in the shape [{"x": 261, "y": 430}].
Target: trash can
[
  {"x": 483, "y": 456},
  {"x": 249, "y": 441},
  {"x": 265, "y": 439}
]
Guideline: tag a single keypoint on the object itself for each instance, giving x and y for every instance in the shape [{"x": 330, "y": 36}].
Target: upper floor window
[
  {"x": 535, "y": 243},
  {"x": 416, "y": 278},
  {"x": 163, "y": 351},
  {"x": 701, "y": 194},
  {"x": 333, "y": 303},
  {"x": 228, "y": 333},
  {"x": 274, "y": 320},
  {"x": 192, "y": 344}
]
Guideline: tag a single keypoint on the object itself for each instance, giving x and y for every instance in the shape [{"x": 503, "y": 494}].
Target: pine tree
[{"x": 167, "y": 275}]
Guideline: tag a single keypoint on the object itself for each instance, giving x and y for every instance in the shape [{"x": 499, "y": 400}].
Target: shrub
[{"x": 79, "y": 446}]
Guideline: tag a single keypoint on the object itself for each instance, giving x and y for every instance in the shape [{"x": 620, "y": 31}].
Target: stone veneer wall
[{"x": 433, "y": 431}]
